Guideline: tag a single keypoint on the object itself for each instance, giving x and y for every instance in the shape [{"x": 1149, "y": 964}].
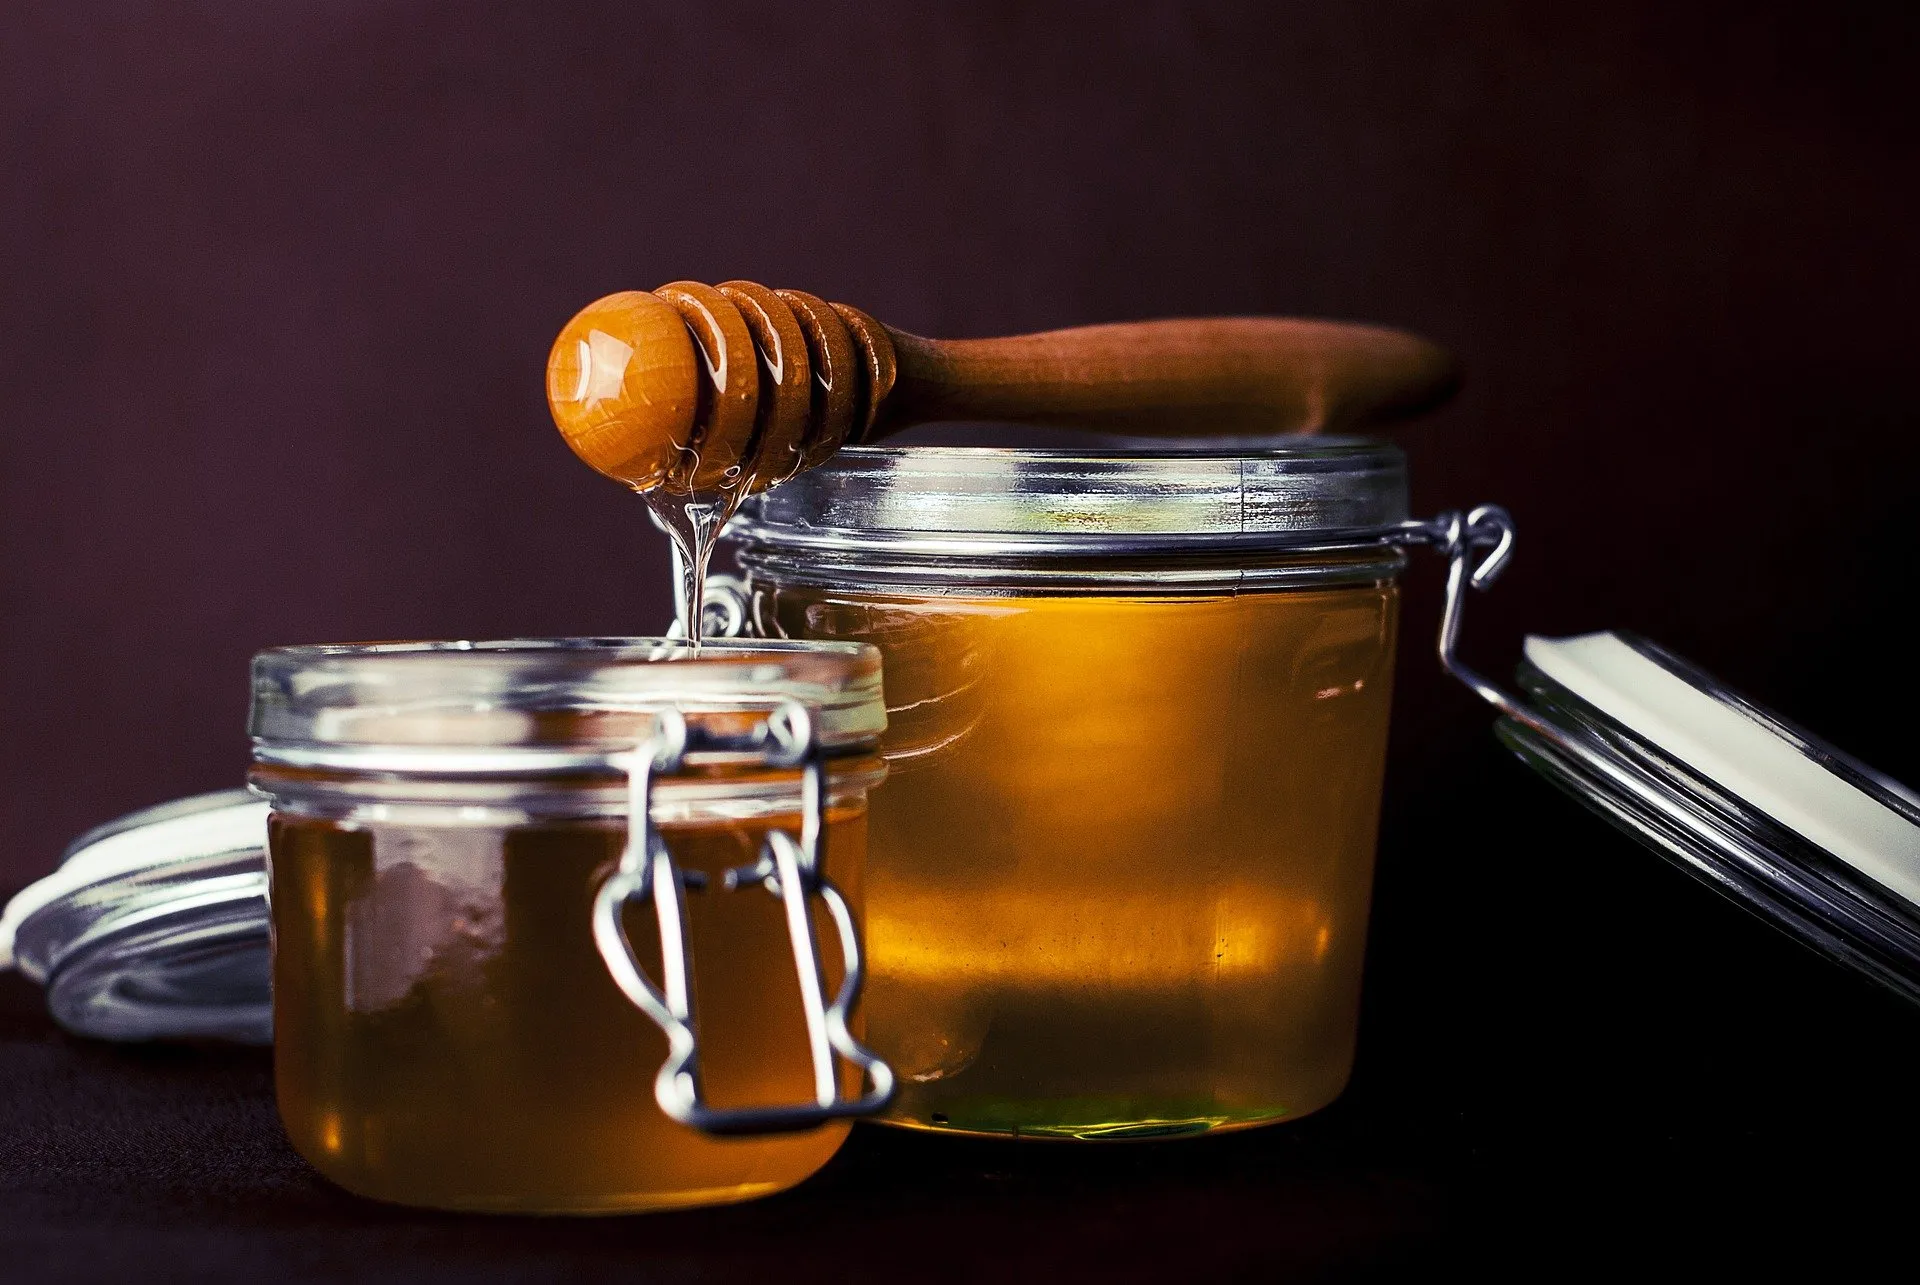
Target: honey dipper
[{"x": 696, "y": 389}]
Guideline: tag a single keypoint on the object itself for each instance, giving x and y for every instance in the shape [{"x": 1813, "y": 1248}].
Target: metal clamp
[
  {"x": 790, "y": 871},
  {"x": 1458, "y": 539}
]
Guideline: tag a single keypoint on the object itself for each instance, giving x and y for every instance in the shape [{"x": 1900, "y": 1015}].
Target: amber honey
[
  {"x": 446, "y": 1033},
  {"x": 1119, "y": 874}
]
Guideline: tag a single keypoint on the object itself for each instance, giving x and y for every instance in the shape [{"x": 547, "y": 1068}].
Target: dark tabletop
[
  {"x": 129, "y": 1161},
  {"x": 1645, "y": 1076}
]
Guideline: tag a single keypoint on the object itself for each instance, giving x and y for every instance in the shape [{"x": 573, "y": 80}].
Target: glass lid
[
  {"x": 154, "y": 926},
  {"x": 1808, "y": 838},
  {"x": 1803, "y": 835}
]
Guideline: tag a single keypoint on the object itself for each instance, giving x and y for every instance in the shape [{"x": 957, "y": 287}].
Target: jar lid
[
  {"x": 529, "y": 705},
  {"x": 1220, "y": 493},
  {"x": 1808, "y": 838},
  {"x": 154, "y": 926}
]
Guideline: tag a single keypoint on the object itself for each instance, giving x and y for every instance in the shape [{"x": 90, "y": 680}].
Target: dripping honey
[{"x": 1119, "y": 873}]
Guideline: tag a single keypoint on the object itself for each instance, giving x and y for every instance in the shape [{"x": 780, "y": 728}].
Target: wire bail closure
[
  {"x": 1458, "y": 538},
  {"x": 791, "y": 871}
]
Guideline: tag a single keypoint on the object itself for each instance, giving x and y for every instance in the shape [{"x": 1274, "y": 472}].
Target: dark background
[{"x": 276, "y": 288}]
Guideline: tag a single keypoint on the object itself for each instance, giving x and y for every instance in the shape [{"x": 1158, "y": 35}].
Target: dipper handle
[{"x": 1195, "y": 377}]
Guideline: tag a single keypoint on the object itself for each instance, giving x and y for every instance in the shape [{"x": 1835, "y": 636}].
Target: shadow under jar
[
  {"x": 1118, "y": 881},
  {"x": 467, "y": 918}
]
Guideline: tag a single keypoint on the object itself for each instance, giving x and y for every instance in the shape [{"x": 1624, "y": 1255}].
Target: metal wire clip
[
  {"x": 790, "y": 871},
  {"x": 1458, "y": 538}
]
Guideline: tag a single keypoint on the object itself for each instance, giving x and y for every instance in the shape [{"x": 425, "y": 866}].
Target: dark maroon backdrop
[
  {"x": 279, "y": 282},
  {"x": 282, "y": 280}
]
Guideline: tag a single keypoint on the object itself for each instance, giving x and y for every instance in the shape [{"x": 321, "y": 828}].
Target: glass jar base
[
  {"x": 572, "y": 1205},
  {"x": 1093, "y": 1119}
]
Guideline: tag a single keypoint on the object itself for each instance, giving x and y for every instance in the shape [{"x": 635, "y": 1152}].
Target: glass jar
[
  {"x": 476, "y": 855},
  {"x": 1118, "y": 881}
]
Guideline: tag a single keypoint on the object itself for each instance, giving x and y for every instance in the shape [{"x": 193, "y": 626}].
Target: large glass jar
[
  {"x": 1118, "y": 881},
  {"x": 476, "y": 853}
]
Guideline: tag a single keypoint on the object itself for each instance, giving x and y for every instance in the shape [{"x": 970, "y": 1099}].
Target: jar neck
[
  {"x": 1163, "y": 567},
  {"x": 719, "y": 792}
]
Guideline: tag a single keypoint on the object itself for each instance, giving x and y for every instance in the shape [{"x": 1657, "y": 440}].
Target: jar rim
[
  {"x": 1195, "y": 516},
  {"x": 1247, "y": 491},
  {"x": 519, "y": 697}
]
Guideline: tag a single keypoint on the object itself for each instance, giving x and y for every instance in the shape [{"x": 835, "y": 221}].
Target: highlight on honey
[{"x": 1119, "y": 874}]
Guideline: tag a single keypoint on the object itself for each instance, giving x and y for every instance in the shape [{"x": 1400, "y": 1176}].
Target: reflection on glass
[
  {"x": 447, "y": 1034},
  {"x": 1119, "y": 874}
]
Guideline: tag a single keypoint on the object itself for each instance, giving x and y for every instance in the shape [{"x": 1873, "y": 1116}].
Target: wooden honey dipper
[{"x": 694, "y": 389}]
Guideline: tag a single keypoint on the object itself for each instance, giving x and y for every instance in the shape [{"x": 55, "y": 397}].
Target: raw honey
[
  {"x": 446, "y": 1033},
  {"x": 1119, "y": 874}
]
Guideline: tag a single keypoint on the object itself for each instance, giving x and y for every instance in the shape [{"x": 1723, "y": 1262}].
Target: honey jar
[
  {"x": 500, "y": 876},
  {"x": 1118, "y": 880},
  {"x": 1115, "y": 884}
]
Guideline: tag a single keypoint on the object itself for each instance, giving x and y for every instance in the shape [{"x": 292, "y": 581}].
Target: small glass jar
[
  {"x": 1119, "y": 878},
  {"x": 477, "y": 852}
]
